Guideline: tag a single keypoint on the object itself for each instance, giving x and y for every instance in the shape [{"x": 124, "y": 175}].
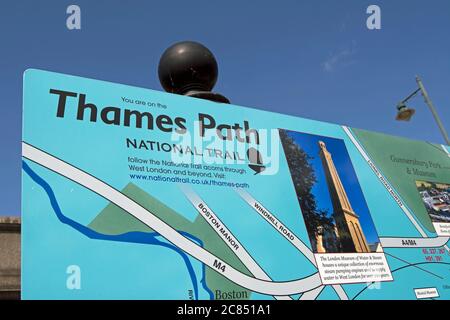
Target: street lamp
[{"x": 405, "y": 114}]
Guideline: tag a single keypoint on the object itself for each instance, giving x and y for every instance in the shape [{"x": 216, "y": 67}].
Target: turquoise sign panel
[{"x": 131, "y": 193}]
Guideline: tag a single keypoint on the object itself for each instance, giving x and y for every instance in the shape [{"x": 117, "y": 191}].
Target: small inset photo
[
  {"x": 436, "y": 198},
  {"x": 339, "y": 224}
]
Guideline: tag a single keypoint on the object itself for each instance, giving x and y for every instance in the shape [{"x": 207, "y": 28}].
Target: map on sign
[{"x": 130, "y": 193}]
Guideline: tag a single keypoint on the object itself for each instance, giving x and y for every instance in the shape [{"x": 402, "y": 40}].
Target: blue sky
[
  {"x": 343, "y": 164},
  {"x": 314, "y": 59}
]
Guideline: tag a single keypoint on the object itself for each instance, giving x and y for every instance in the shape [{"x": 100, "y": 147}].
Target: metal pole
[{"x": 433, "y": 110}]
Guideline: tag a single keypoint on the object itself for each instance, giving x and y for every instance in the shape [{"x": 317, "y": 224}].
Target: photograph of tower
[
  {"x": 348, "y": 228},
  {"x": 331, "y": 200}
]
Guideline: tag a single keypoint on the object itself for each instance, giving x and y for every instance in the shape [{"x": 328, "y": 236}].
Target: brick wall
[{"x": 9, "y": 258}]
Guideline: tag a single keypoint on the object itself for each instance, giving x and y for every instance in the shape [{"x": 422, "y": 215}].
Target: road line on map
[
  {"x": 312, "y": 294},
  {"x": 277, "y": 224},
  {"x": 270, "y": 218},
  {"x": 226, "y": 235},
  {"x": 113, "y": 195},
  {"x": 403, "y": 242},
  {"x": 445, "y": 149},
  {"x": 340, "y": 292},
  {"x": 384, "y": 181},
  {"x": 409, "y": 263}
]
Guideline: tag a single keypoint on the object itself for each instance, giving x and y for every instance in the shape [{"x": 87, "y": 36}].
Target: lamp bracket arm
[{"x": 411, "y": 95}]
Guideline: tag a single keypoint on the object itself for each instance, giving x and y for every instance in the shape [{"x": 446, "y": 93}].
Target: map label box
[
  {"x": 442, "y": 229},
  {"x": 341, "y": 268},
  {"x": 426, "y": 293}
]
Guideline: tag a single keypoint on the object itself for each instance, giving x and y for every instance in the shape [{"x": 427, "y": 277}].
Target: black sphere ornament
[{"x": 189, "y": 68}]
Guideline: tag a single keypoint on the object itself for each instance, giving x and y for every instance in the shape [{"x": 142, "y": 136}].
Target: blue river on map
[{"x": 131, "y": 237}]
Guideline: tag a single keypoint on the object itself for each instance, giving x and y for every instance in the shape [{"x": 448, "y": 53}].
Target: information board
[{"x": 131, "y": 193}]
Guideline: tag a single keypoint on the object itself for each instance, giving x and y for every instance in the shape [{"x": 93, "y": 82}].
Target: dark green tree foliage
[{"x": 304, "y": 178}]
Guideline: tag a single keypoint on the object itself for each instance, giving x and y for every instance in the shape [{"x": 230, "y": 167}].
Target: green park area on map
[
  {"x": 114, "y": 220},
  {"x": 406, "y": 161}
]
